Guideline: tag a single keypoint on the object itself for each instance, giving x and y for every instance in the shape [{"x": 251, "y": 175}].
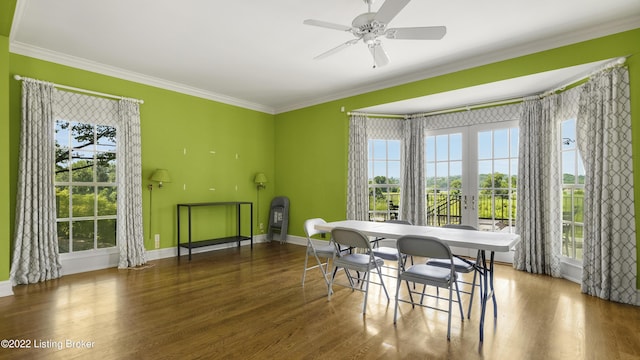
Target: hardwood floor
[{"x": 245, "y": 304}]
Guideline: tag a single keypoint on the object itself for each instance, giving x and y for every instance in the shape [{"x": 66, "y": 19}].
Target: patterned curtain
[
  {"x": 539, "y": 220},
  {"x": 129, "y": 178},
  {"x": 604, "y": 141},
  {"x": 413, "y": 176},
  {"x": 357, "y": 192},
  {"x": 35, "y": 253}
]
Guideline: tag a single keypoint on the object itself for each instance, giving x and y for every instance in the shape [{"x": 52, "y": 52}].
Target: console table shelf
[{"x": 191, "y": 244}]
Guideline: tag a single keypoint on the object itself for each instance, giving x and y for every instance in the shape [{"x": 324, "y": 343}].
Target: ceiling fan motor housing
[{"x": 367, "y": 27}]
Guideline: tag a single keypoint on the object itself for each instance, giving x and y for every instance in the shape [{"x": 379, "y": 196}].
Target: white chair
[
  {"x": 429, "y": 247},
  {"x": 462, "y": 266},
  {"x": 360, "y": 259},
  {"x": 321, "y": 254}
]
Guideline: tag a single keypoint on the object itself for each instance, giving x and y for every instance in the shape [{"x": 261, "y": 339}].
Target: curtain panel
[
  {"x": 413, "y": 204},
  {"x": 129, "y": 178},
  {"x": 35, "y": 252},
  {"x": 539, "y": 189},
  {"x": 357, "y": 192},
  {"x": 604, "y": 141}
]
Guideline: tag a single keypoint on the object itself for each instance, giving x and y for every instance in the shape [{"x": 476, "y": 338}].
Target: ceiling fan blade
[
  {"x": 389, "y": 10},
  {"x": 417, "y": 33},
  {"x": 379, "y": 55},
  {"x": 327, "y": 25},
  {"x": 336, "y": 49}
]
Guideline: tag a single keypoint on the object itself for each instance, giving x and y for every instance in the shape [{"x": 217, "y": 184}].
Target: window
[
  {"x": 497, "y": 178},
  {"x": 384, "y": 179},
  {"x": 85, "y": 184},
  {"x": 572, "y": 193}
]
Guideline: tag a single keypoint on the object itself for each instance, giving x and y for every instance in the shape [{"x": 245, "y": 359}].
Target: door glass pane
[
  {"x": 443, "y": 171},
  {"x": 484, "y": 145},
  {"x": 501, "y": 143},
  {"x": 497, "y": 181}
]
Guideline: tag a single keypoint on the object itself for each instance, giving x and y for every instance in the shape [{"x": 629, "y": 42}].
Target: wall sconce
[
  {"x": 160, "y": 176},
  {"x": 260, "y": 180}
]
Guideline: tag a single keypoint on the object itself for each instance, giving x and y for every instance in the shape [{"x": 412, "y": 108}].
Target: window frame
[
  {"x": 95, "y": 148},
  {"x": 392, "y": 211}
]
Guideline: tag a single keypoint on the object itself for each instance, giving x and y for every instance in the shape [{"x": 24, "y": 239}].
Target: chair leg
[
  {"x": 382, "y": 283},
  {"x": 395, "y": 309},
  {"x": 330, "y": 285},
  {"x": 459, "y": 300},
  {"x": 304, "y": 273},
  {"x": 410, "y": 295},
  {"x": 424, "y": 289},
  {"x": 449, "y": 314},
  {"x": 366, "y": 279}
]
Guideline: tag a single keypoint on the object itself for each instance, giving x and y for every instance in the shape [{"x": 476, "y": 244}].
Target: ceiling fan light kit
[{"x": 369, "y": 26}]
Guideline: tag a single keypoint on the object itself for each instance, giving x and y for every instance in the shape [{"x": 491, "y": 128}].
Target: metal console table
[{"x": 201, "y": 243}]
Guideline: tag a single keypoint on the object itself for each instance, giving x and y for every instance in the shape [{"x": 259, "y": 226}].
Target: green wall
[
  {"x": 179, "y": 133},
  {"x": 316, "y": 137}
]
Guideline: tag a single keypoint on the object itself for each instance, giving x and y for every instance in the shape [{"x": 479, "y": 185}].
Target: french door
[{"x": 471, "y": 176}]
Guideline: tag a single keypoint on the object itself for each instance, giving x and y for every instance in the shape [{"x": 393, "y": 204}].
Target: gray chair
[
  {"x": 388, "y": 253},
  {"x": 429, "y": 247},
  {"x": 462, "y": 266},
  {"x": 360, "y": 260},
  {"x": 321, "y": 254}
]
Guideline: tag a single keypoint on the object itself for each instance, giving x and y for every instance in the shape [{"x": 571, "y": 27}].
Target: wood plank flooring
[{"x": 243, "y": 304}]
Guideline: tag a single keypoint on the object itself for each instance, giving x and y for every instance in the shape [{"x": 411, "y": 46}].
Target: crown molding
[
  {"x": 88, "y": 65},
  {"x": 475, "y": 60}
]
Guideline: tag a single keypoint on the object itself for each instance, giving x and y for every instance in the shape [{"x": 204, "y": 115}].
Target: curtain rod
[
  {"x": 470, "y": 107},
  {"x": 18, "y": 77},
  {"x": 378, "y": 115},
  {"x": 609, "y": 65}
]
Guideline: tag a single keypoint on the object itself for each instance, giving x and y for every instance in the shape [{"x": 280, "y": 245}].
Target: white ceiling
[{"x": 259, "y": 55}]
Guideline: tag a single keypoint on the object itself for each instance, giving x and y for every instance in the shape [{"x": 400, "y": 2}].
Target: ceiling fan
[{"x": 369, "y": 26}]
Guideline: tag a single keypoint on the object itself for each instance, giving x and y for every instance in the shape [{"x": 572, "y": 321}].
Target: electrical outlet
[
  {"x": 261, "y": 226},
  {"x": 157, "y": 240}
]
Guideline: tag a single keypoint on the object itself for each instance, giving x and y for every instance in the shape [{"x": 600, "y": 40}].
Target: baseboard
[
  {"x": 571, "y": 272},
  {"x": 84, "y": 263},
  {"x": 5, "y": 288}
]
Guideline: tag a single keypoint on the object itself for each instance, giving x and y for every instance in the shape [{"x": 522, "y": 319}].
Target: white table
[{"x": 478, "y": 240}]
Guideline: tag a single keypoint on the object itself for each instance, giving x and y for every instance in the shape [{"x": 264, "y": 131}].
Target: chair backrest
[
  {"x": 310, "y": 227},
  {"x": 460, "y": 226},
  {"x": 404, "y": 222},
  {"x": 350, "y": 238},
  {"x": 423, "y": 246}
]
